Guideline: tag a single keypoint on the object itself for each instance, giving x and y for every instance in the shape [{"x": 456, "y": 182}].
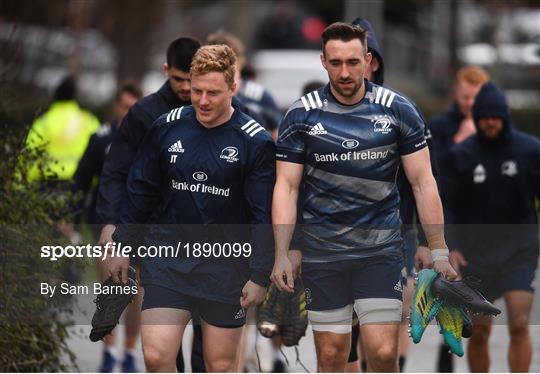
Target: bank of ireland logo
[
  {"x": 229, "y": 154},
  {"x": 382, "y": 124},
  {"x": 350, "y": 143},
  {"x": 199, "y": 176}
]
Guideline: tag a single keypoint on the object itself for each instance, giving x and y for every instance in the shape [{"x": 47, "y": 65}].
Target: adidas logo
[
  {"x": 241, "y": 314},
  {"x": 318, "y": 129},
  {"x": 176, "y": 147},
  {"x": 398, "y": 286}
]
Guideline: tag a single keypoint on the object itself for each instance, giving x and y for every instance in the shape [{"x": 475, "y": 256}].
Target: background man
[
  {"x": 175, "y": 92},
  {"x": 64, "y": 130},
  {"x": 494, "y": 179},
  {"x": 414, "y": 246},
  {"x": 88, "y": 170},
  {"x": 450, "y": 128},
  {"x": 347, "y": 139}
]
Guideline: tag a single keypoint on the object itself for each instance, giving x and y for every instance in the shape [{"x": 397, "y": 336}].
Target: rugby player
[
  {"x": 347, "y": 141},
  {"x": 204, "y": 164}
]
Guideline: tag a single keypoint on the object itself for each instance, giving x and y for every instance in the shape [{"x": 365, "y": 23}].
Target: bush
[{"x": 33, "y": 328}]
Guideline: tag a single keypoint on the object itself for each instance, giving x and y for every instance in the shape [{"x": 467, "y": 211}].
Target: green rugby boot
[{"x": 424, "y": 306}]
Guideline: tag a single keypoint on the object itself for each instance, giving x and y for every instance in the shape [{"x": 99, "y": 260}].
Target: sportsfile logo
[
  {"x": 382, "y": 124},
  {"x": 229, "y": 154},
  {"x": 318, "y": 129}
]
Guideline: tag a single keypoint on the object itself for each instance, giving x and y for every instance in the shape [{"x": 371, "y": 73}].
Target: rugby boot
[
  {"x": 271, "y": 312},
  {"x": 451, "y": 322},
  {"x": 424, "y": 307},
  {"x": 109, "y": 307},
  {"x": 294, "y": 322},
  {"x": 461, "y": 293}
]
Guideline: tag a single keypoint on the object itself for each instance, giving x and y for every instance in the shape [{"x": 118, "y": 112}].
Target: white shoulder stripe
[
  {"x": 319, "y": 103},
  {"x": 169, "y": 115},
  {"x": 304, "y": 101},
  {"x": 174, "y": 114},
  {"x": 311, "y": 101},
  {"x": 254, "y": 126},
  {"x": 247, "y": 124},
  {"x": 378, "y": 97},
  {"x": 256, "y": 131},
  {"x": 390, "y": 99},
  {"x": 385, "y": 95},
  {"x": 179, "y": 112}
]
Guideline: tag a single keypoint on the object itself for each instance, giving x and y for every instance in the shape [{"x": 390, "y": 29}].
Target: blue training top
[
  {"x": 202, "y": 179},
  {"x": 351, "y": 155}
]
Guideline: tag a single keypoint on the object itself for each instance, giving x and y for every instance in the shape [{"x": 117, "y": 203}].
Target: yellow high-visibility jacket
[{"x": 64, "y": 130}]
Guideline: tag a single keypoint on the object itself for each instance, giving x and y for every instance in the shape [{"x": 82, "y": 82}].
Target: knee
[
  {"x": 480, "y": 334},
  {"x": 385, "y": 356},
  {"x": 221, "y": 366},
  {"x": 519, "y": 328},
  {"x": 332, "y": 355},
  {"x": 154, "y": 358}
]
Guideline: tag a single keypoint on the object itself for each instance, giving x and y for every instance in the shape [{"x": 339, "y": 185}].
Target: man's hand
[
  {"x": 118, "y": 268},
  {"x": 444, "y": 267},
  {"x": 106, "y": 234},
  {"x": 457, "y": 260},
  {"x": 422, "y": 258},
  {"x": 252, "y": 294},
  {"x": 295, "y": 257},
  {"x": 282, "y": 274},
  {"x": 466, "y": 129}
]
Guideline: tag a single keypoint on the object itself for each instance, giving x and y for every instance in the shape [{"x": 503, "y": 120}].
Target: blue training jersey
[
  {"x": 351, "y": 156},
  {"x": 205, "y": 181}
]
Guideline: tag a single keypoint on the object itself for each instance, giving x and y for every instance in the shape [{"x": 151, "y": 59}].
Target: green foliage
[{"x": 33, "y": 328}]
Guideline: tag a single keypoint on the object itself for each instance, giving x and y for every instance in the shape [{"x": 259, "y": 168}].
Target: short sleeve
[
  {"x": 291, "y": 141},
  {"x": 412, "y": 129}
]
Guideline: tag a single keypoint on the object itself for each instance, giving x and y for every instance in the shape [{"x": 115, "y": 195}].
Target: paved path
[{"x": 422, "y": 356}]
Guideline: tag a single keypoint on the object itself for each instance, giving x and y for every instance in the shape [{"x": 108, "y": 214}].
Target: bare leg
[
  {"x": 380, "y": 342},
  {"x": 477, "y": 350},
  {"x": 162, "y": 330},
  {"x": 332, "y": 351},
  {"x": 133, "y": 319},
  {"x": 221, "y": 347},
  {"x": 519, "y": 304}
]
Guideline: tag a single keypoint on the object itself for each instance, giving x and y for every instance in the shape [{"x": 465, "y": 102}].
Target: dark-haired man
[
  {"x": 347, "y": 140},
  {"x": 175, "y": 92}
]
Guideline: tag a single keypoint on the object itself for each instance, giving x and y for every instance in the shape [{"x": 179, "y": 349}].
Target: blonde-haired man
[{"x": 206, "y": 164}]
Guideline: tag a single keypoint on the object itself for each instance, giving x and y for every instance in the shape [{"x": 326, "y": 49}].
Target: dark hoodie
[
  {"x": 407, "y": 202},
  {"x": 493, "y": 184},
  {"x": 373, "y": 47}
]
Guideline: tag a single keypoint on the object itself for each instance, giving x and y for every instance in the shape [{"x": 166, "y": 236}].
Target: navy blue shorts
[
  {"x": 213, "y": 312},
  {"x": 493, "y": 284},
  {"x": 337, "y": 284}
]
